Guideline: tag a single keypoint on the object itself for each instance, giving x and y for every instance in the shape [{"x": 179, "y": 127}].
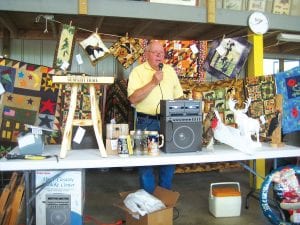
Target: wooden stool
[{"x": 75, "y": 81}]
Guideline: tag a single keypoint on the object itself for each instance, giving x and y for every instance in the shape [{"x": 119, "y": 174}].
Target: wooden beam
[
  {"x": 211, "y": 11},
  {"x": 78, "y": 79},
  {"x": 13, "y": 30}
]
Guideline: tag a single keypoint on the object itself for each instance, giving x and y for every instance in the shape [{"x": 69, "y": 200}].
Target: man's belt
[{"x": 153, "y": 117}]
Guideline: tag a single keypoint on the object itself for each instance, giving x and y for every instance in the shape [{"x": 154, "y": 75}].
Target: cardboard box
[
  {"x": 111, "y": 146},
  {"x": 61, "y": 201},
  {"x": 160, "y": 217}
]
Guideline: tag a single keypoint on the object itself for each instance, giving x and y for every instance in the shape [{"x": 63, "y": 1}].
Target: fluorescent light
[{"x": 288, "y": 37}]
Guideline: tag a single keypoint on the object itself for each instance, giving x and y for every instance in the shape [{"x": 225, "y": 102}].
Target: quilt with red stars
[
  {"x": 288, "y": 85},
  {"x": 30, "y": 97}
]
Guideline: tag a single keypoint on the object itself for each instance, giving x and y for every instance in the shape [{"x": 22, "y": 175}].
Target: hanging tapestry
[
  {"x": 94, "y": 47},
  {"x": 83, "y": 106},
  {"x": 117, "y": 105},
  {"x": 186, "y": 57},
  {"x": 288, "y": 85},
  {"x": 65, "y": 46},
  {"x": 227, "y": 57},
  {"x": 127, "y": 50},
  {"x": 261, "y": 90},
  {"x": 215, "y": 95},
  {"x": 30, "y": 97}
]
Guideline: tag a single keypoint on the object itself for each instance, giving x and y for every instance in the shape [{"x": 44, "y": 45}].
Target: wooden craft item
[{"x": 95, "y": 112}]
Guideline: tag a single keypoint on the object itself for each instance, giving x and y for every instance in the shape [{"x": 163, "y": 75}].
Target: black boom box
[{"x": 181, "y": 125}]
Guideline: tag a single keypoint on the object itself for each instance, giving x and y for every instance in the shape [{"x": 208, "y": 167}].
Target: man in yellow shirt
[{"x": 148, "y": 84}]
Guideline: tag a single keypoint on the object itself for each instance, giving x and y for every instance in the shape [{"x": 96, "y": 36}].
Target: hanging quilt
[
  {"x": 65, "y": 47},
  {"x": 261, "y": 90},
  {"x": 186, "y": 57},
  {"x": 83, "y": 106},
  {"x": 30, "y": 97},
  {"x": 127, "y": 50},
  {"x": 288, "y": 85},
  {"x": 215, "y": 95},
  {"x": 227, "y": 57}
]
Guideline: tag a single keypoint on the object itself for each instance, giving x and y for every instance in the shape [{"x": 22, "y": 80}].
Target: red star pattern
[{"x": 47, "y": 105}]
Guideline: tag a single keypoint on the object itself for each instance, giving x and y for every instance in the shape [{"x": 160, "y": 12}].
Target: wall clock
[{"x": 258, "y": 23}]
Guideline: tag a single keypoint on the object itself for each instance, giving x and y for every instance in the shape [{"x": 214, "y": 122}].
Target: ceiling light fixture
[{"x": 288, "y": 37}]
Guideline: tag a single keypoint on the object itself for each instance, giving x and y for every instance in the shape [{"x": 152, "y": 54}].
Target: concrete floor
[{"x": 102, "y": 188}]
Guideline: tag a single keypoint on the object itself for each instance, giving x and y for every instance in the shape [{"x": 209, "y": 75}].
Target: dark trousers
[{"x": 146, "y": 173}]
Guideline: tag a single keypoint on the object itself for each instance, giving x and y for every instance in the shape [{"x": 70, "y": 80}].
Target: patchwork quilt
[
  {"x": 30, "y": 97},
  {"x": 288, "y": 85}
]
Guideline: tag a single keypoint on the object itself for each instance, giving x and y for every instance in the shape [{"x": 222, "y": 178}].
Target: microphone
[{"x": 160, "y": 66}]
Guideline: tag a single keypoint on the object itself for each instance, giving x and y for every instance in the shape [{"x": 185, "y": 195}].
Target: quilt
[
  {"x": 288, "y": 85},
  {"x": 30, "y": 97}
]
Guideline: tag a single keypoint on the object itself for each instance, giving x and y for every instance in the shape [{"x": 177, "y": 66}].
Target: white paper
[
  {"x": 194, "y": 49},
  {"x": 64, "y": 66},
  {"x": 177, "y": 46},
  {"x": 37, "y": 131},
  {"x": 2, "y": 90},
  {"x": 28, "y": 139},
  {"x": 221, "y": 50},
  {"x": 79, "y": 59},
  {"x": 79, "y": 135},
  {"x": 114, "y": 144}
]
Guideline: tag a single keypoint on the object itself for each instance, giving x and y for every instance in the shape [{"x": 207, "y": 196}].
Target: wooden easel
[{"x": 75, "y": 81}]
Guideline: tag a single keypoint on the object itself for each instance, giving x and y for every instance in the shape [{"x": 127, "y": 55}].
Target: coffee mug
[{"x": 153, "y": 142}]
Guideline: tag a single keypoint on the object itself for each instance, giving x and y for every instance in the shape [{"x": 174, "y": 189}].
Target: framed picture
[
  {"x": 226, "y": 57},
  {"x": 257, "y": 5},
  {"x": 282, "y": 7},
  {"x": 94, "y": 48},
  {"x": 233, "y": 4}
]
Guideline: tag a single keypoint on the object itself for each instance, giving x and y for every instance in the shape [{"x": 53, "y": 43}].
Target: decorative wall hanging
[
  {"x": 215, "y": 95},
  {"x": 261, "y": 90},
  {"x": 281, "y": 7},
  {"x": 186, "y": 57},
  {"x": 117, "y": 105},
  {"x": 94, "y": 48},
  {"x": 232, "y": 4},
  {"x": 257, "y": 5},
  {"x": 288, "y": 85},
  {"x": 127, "y": 50},
  {"x": 65, "y": 46},
  {"x": 83, "y": 102},
  {"x": 30, "y": 98},
  {"x": 227, "y": 57}
]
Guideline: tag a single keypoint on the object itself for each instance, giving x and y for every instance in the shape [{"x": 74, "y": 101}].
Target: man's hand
[{"x": 157, "y": 77}]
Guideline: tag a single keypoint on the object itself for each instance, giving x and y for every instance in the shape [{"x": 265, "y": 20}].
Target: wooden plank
[
  {"x": 82, "y": 122},
  {"x": 96, "y": 118},
  {"x": 67, "y": 136},
  {"x": 77, "y": 79},
  {"x": 16, "y": 203}
]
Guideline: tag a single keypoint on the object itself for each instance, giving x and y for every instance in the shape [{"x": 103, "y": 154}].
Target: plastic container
[{"x": 225, "y": 199}]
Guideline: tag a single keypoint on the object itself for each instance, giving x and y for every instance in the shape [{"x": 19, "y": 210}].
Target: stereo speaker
[
  {"x": 181, "y": 134},
  {"x": 58, "y": 209}
]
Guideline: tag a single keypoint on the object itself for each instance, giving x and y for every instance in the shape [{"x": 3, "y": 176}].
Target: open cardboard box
[{"x": 160, "y": 217}]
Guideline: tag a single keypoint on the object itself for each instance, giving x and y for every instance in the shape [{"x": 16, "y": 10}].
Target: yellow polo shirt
[{"x": 168, "y": 89}]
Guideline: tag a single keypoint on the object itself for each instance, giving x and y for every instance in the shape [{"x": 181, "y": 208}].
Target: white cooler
[{"x": 225, "y": 199}]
